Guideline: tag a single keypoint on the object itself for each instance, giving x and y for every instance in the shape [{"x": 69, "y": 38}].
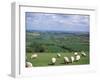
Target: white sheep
[
  {"x": 29, "y": 64},
  {"x": 34, "y": 56},
  {"x": 83, "y": 53},
  {"x": 75, "y": 53},
  {"x": 72, "y": 59},
  {"x": 53, "y": 60},
  {"x": 78, "y": 57},
  {"x": 66, "y": 60},
  {"x": 58, "y": 55}
]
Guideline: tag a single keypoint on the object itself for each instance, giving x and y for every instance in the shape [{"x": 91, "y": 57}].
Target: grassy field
[
  {"x": 44, "y": 59},
  {"x": 47, "y": 44}
]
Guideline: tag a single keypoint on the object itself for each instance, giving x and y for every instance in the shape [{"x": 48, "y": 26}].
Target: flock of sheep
[{"x": 76, "y": 57}]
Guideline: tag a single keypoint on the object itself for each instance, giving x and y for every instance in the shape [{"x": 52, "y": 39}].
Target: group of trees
[{"x": 36, "y": 47}]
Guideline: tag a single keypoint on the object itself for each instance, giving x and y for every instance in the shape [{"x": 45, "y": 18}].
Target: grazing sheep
[
  {"x": 58, "y": 55},
  {"x": 66, "y": 60},
  {"x": 75, "y": 53},
  {"x": 83, "y": 53},
  {"x": 28, "y": 64},
  {"x": 34, "y": 56},
  {"x": 53, "y": 60},
  {"x": 78, "y": 57},
  {"x": 72, "y": 59}
]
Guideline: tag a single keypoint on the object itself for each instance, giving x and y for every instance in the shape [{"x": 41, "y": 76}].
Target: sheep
[
  {"x": 58, "y": 55},
  {"x": 66, "y": 60},
  {"x": 83, "y": 53},
  {"x": 34, "y": 56},
  {"x": 78, "y": 57},
  {"x": 29, "y": 64},
  {"x": 75, "y": 53},
  {"x": 53, "y": 60},
  {"x": 72, "y": 59}
]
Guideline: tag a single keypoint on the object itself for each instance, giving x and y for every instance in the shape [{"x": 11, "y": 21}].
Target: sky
[{"x": 57, "y": 22}]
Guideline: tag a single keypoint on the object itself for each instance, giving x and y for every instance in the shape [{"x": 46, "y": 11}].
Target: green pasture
[
  {"x": 47, "y": 44},
  {"x": 44, "y": 59}
]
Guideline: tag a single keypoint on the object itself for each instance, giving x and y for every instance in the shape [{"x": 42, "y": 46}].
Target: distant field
[
  {"x": 44, "y": 59},
  {"x": 47, "y": 43},
  {"x": 56, "y": 42}
]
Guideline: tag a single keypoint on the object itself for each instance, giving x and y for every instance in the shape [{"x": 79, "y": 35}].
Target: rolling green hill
[{"x": 47, "y": 43}]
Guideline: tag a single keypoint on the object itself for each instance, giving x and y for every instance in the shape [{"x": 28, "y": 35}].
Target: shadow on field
[
  {"x": 62, "y": 63},
  {"x": 51, "y": 64},
  {"x": 65, "y": 63}
]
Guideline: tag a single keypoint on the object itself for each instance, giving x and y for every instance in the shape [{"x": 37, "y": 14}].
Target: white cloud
[{"x": 57, "y": 21}]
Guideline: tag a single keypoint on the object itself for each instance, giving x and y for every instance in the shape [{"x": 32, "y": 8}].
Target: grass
[
  {"x": 44, "y": 59},
  {"x": 48, "y": 44},
  {"x": 53, "y": 42}
]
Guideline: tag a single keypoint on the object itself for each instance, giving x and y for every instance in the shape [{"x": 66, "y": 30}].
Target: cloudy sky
[{"x": 57, "y": 22}]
